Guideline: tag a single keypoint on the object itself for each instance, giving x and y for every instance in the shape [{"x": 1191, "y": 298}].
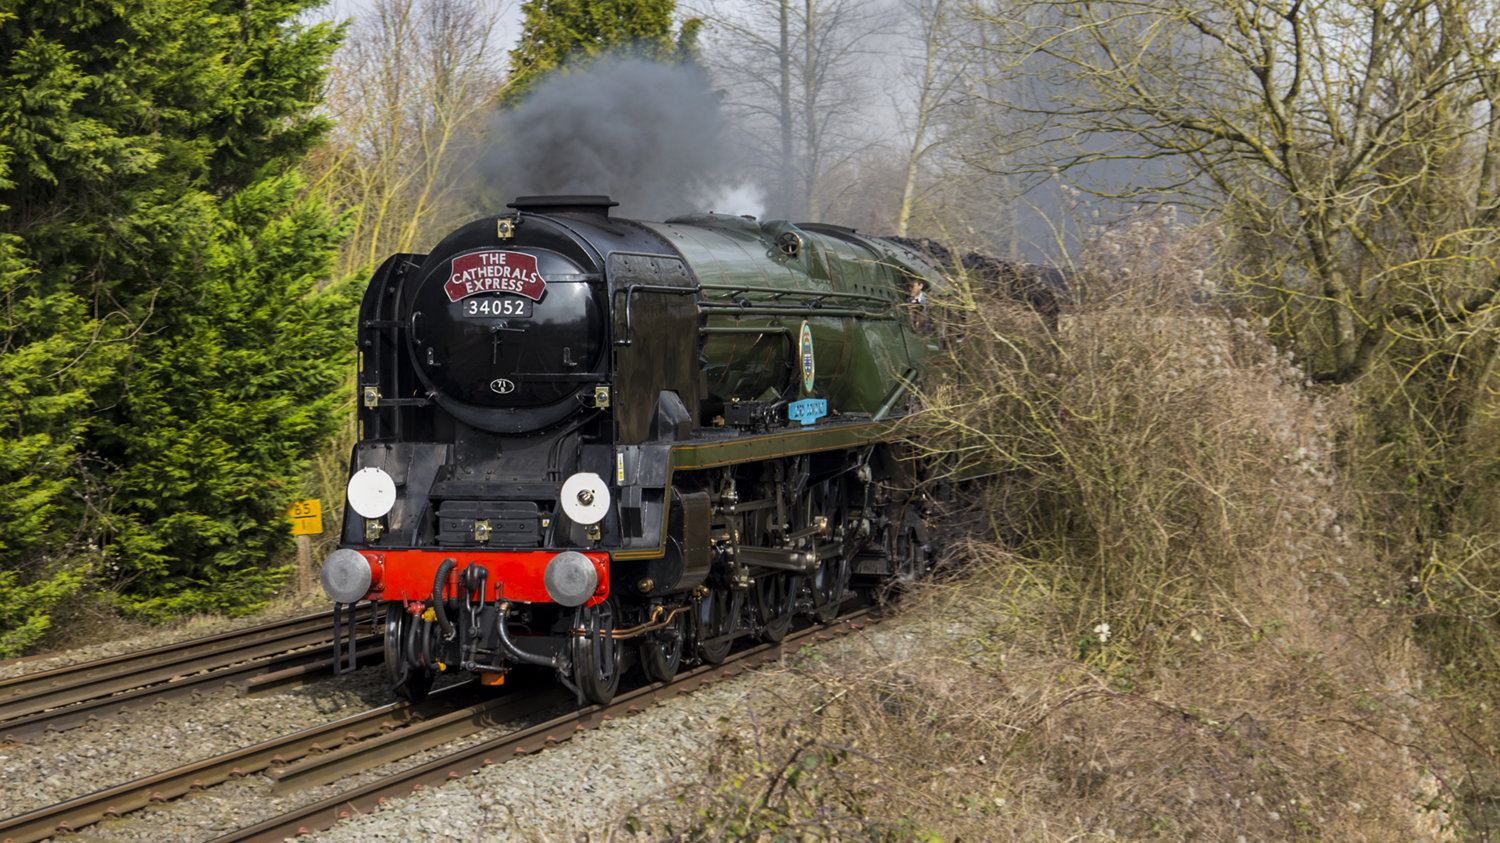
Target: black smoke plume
[{"x": 649, "y": 135}]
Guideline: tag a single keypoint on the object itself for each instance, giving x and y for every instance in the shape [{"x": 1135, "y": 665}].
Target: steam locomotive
[{"x": 588, "y": 442}]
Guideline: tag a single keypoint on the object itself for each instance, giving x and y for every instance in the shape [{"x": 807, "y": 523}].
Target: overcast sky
[{"x": 509, "y": 12}]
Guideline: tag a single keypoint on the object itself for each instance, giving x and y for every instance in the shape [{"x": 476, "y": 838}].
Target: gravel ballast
[{"x": 583, "y": 785}]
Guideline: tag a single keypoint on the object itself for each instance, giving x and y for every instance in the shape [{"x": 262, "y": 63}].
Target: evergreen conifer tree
[
  {"x": 560, "y": 34},
  {"x": 168, "y": 358}
]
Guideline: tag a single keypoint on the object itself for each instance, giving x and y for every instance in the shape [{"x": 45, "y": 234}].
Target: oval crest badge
[
  {"x": 809, "y": 365},
  {"x": 502, "y": 386}
]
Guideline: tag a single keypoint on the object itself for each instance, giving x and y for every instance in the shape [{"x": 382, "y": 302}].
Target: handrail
[
  {"x": 778, "y": 292},
  {"x": 630, "y": 291}
]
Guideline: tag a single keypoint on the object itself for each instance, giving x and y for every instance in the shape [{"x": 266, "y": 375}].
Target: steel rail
[
  {"x": 326, "y": 813},
  {"x": 21, "y": 696},
  {"x": 315, "y": 662},
  {"x": 114, "y": 801},
  {"x": 303, "y": 675},
  {"x": 402, "y": 721},
  {"x": 420, "y": 736}
]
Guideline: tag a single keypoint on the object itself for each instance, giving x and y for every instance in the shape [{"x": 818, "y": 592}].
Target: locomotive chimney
[{"x": 595, "y": 205}]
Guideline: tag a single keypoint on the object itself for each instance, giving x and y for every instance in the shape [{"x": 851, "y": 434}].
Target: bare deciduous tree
[
  {"x": 410, "y": 92},
  {"x": 935, "y": 79},
  {"x": 1327, "y": 126},
  {"x": 794, "y": 74},
  {"x": 1352, "y": 150}
]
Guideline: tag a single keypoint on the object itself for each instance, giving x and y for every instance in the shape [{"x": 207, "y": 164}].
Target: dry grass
[{"x": 990, "y": 728}]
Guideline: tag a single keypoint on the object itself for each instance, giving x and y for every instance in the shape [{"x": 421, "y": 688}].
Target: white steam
[{"x": 744, "y": 199}]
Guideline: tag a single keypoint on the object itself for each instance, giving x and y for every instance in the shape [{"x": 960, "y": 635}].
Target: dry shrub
[
  {"x": 1160, "y": 625},
  {"x": 1426, "y": 482},
  {"x": 963, "y": 721},
  {"x": 1146, "y": 450}
]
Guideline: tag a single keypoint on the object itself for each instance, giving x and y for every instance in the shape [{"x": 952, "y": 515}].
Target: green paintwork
[
  {"x": 852, "y": 291},
  {"x": 784, "y": 443}
]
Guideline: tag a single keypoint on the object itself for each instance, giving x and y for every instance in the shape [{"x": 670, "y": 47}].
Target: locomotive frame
[{"x": 587, "y": 442}]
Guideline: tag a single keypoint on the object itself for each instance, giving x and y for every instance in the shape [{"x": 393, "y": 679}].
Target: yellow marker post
[
  {"x": 307, "y": 521},
  {"x": 307, "y": 518}
]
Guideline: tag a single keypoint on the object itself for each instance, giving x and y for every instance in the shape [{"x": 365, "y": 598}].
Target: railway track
[
  {"x": 332, "y": 751},
  {"x": 68, "y": 696}
]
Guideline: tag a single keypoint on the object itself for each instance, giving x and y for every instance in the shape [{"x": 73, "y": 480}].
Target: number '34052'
[{"x": 497, "y": 307}]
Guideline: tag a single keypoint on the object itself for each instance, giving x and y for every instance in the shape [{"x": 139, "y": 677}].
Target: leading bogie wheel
[
  {"x": 393, "y": 654},
  {"x": 405, "y": 655},
  {"x": 596, "y": 652},
  {"x": 661, "y": 650}
]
